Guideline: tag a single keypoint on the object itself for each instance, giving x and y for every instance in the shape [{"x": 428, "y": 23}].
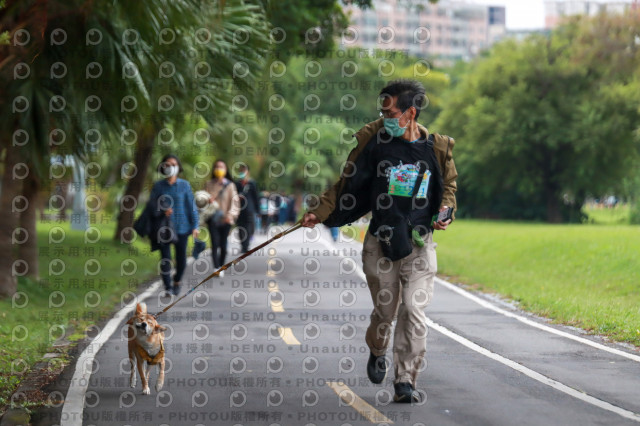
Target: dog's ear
[
  {"x": 160, "y": 328},
  {"x": 141, "y": 308}
]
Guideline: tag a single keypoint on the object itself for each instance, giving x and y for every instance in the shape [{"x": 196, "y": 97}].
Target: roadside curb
[
  {"x": 70, "y": 410},
  {"x": 48, "y": 370},
  {"x": 32, "y": 384}
]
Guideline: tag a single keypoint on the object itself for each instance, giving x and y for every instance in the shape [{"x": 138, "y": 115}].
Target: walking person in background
[
  {"x": 284, "y": 206},
  {"x": 222, "y": 191},
  {"x": 292, "y": 212},
  {"x": 264, "y": 211},
  {"x": 249, "y": 204},
  {"x": 170, "y": 217},
  {"x": 273, "y": 208}
]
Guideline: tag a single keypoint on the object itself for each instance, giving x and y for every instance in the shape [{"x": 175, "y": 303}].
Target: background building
[
  {"x": 448, "y": 30},
  {"x": 557, "y": 10}
]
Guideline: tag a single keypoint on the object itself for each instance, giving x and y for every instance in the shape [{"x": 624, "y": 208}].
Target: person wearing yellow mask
[{"x": 224, "y": 193}]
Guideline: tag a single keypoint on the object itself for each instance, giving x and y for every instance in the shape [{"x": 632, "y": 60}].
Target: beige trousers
[{"x": 400, "y": 290}]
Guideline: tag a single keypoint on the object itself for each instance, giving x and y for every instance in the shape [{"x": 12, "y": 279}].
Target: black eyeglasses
[{"x": 387, "y": 114}]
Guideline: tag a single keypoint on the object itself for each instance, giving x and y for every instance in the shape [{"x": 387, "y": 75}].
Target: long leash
[{"x": 233, "y": 262}]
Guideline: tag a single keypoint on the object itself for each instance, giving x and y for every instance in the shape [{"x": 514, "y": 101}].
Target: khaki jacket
[
  {"x": 443, "y": 146},
  {"x": 228, "y": 200}
]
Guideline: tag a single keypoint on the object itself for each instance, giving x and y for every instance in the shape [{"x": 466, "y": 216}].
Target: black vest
[{"x": 396, "y": 162}]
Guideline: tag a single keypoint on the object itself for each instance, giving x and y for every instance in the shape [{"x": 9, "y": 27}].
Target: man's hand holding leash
[{"x": 309, "y": 220}]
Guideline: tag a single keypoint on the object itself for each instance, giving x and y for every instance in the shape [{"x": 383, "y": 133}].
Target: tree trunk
[
  {"x": 10, "y": 189},
  {"x": 142, "y": 160},
  {"x": 29, "y": 250},
  {"x": 554, "y": 215}
]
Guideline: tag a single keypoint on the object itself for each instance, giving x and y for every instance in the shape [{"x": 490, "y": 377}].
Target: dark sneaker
[
  {"x": 168, "y": 291},
  {"x": 376, "y": 368},
  {"x": 405, "y": 393},
  {"x": 176, "y": 289}
]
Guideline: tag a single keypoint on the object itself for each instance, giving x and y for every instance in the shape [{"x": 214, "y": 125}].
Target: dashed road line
[
  {"x": 276, "y": 306},
  {"x": 350, "y": 398},
  {"x": 286, "y": 334}
]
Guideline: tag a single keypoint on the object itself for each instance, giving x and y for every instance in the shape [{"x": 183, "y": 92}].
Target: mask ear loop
[{"x": 410, "y": 120}]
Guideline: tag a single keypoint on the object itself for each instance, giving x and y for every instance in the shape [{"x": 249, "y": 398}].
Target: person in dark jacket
[
  {"x": 249, "y": 204},
  {"x": 404, "y": 176},
  {"x": 171, "y": 201}
]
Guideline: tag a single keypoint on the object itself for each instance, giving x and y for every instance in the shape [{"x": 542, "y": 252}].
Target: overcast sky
[{"x": 524, "y": 14}]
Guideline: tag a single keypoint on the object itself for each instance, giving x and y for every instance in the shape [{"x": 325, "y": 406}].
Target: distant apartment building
[
  {"x": 557, "y": 10},
  {"x": 449, "y": 30}
]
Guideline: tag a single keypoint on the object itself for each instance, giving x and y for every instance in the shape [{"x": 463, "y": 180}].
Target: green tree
[
  {"x": 223, "y": 45},
  {"x": 152, "y": 61},
  {"x": 307, "y": 27},
  {"x": 328, "y": 99},
  {"x": 543, "y": 123}
]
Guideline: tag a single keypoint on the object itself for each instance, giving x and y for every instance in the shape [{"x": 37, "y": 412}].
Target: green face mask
[{"x": 392, "y": 126}]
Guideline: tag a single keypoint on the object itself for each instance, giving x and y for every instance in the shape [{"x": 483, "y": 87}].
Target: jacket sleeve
[
  {"x": 327, "y": 201},
  {"x": 234, "y": 203},
  {"x": 444, "y": 150},
  {"x": 152, "y": 204},
  {"x": 192, "y": 210}
]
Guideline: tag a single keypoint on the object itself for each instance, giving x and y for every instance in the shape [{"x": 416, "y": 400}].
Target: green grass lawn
[
  {"x": 582, "y": 275},
  {"x": 71, "y": 301},
  {"x": 618, "y": 215}
]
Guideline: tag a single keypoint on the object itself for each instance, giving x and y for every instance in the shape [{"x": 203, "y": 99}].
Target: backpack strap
[
  {"x": 225, "y": 183},
  {"x": 422, "y": 168},
  {"x": 416, "y": 187}
]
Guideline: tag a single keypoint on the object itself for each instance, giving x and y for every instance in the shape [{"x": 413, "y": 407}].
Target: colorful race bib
[{"x": 402, "y": 179}]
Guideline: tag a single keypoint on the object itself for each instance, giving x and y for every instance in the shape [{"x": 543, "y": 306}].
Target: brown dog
[{"x": 146, "y": 343}]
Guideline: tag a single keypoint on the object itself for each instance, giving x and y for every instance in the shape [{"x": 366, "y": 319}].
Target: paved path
[{"x": 280, "y": 341}]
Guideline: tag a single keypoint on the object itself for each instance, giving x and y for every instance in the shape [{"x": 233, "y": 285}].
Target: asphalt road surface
[{"x": 280, "y": 341}]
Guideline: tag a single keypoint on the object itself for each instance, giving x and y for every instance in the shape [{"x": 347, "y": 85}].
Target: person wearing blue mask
[
  {"x": 172, "y": 199},
  {"x": 406, "y": 178}
]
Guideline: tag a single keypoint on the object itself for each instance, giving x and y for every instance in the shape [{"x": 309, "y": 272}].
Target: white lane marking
[
  {"x": 360, "y": 405},
  {"x": 514, "y": 365},
  {"x": 74, "y": 402},
  {"x": 535, "y": 324},
  {"x": 520, "y": 318},
  {"x": 535, "y": 375}
]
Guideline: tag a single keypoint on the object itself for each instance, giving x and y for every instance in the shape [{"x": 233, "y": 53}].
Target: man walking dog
[{"x": 407, "y": 179}]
